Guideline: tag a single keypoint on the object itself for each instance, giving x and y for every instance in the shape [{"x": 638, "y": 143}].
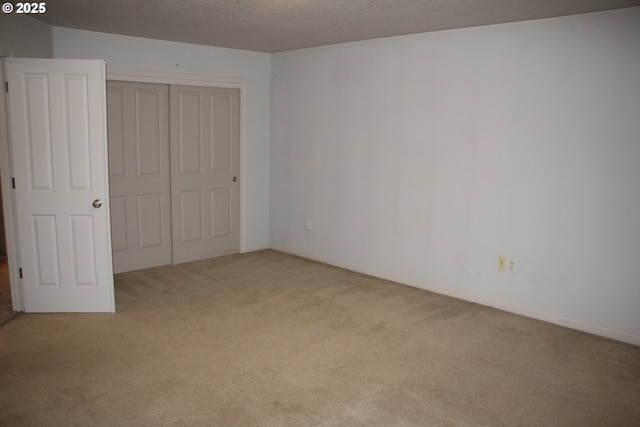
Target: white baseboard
[
  {"x": 501, "y": 305},
  {"x": 255, "y": 248}
]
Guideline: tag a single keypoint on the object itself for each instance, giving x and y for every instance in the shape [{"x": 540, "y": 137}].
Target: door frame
[
  {"x": 144, "y": 76},
  {"x": 8, "y": 204}
]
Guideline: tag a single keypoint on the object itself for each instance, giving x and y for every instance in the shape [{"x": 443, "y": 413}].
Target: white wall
[
  {"x": 156, "y": 55},
  {"x": 423, "y": 158},
  {"x": 25, "y": 36}
]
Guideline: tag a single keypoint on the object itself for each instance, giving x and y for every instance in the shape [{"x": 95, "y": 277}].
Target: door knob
[{"x": 97, "y": 203}]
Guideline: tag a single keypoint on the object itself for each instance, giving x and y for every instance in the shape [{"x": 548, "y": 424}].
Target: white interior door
[
  {"x": 58, "y": 145},
  {"x": 205, "y": 161},
  {"x": 138, "y": 131}
]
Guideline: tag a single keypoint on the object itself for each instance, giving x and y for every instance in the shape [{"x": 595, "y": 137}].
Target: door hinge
[
  {"x": 235, "y": 179},
  {"x": 13, "y": 183},
  {"x": 6, "y": 87},
  {"x": 20, "y": 272}
]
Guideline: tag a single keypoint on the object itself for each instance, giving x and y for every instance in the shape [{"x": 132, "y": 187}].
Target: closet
[{"x": 173, "y": 173}]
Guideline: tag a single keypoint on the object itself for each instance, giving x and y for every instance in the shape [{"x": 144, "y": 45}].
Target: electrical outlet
[
  {"x": 502, "y": 263},
  {"x": 307, "y": 224},
  {"x": 511, "y": 265}
]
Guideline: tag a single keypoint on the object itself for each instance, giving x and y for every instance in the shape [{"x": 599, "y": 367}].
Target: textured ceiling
[{"x": 280, "y": 25}]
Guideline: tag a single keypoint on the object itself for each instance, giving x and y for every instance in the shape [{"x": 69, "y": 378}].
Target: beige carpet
[{"x": 268, "y": 339}]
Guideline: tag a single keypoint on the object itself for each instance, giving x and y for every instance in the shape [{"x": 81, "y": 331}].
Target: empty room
[{"x": 336, "y": 213}]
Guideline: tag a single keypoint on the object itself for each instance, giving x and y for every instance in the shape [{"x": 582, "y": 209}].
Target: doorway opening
[
  {"x": 6, "y": 307},
  {"x": 6, "y": 302},
  {"x": 6, "y": 297}
]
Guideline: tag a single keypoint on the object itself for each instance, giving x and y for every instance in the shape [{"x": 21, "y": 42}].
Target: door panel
[
  {"x": 190, "y": 140},
  {"x": 150, "y": 220},
  {"x": 119, "y": 223},
  {"x": 221, "y": 206},
  {"x": 139, "y": 174},
  {"x": 46, "y": 250},
  {"x": 115, "y": 126},
  {"x": 77, "y": 131},
  {"x": 221, "y": 138},
  {"x": 38, "y": 131},
  {"x": 82, "y": 229},
  {"x": 191, "y": 216},
  {"x": 205, "y": 162},
  {"x": 56, "y": 111},
  {"x": 151, "y": 134}
]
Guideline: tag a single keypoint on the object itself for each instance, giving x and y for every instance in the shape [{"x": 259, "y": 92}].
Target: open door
[{"x": 57, "y": 139}]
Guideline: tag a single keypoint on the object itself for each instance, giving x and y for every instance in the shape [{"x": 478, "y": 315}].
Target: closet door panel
[
  {"x": 205, "y": 160},
  {"x": 139, "y": 174}
]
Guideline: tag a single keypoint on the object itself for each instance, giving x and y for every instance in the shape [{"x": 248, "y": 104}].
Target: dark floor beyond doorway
[{"x": 6, "y": 310}]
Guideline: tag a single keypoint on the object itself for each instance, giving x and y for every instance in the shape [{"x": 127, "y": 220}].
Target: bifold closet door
[
  {"x": 138, "y": 138},
  {"x": 205, "y": 161}
]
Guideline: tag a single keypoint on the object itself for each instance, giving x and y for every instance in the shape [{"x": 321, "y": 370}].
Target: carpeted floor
[{"x": 268, "y": 339}]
